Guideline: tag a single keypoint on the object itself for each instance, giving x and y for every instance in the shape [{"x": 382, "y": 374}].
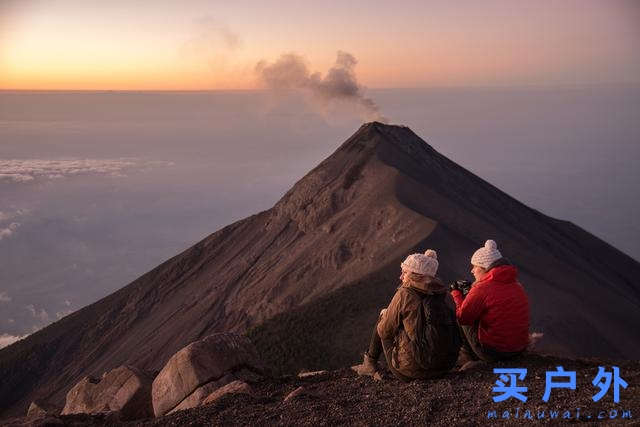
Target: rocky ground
[{"x": 340, "y": 397}]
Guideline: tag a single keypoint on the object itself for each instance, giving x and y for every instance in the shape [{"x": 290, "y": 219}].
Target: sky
[{"x": 210, "y": 45}]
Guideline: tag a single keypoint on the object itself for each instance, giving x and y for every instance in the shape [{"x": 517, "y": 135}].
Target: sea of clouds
[{"x": 27, "y": 170}]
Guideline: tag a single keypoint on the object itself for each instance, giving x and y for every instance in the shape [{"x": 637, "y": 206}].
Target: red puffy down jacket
[{"x": 501, "y": 305}]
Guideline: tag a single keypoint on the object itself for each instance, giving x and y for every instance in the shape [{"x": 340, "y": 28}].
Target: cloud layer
[
  {"x": 41, "y": 314},
  {"x": 27, "y": 170},
  {"x": 291, "y": 72},
  {"x": 10, "y": 225},
  {"x": 8, "y": 231},
  {"x": 6, "y": 339},
  {"x": 7, "y": 216}
]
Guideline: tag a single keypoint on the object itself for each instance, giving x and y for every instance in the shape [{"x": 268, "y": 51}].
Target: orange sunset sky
[{"x": 196, "y": 44}]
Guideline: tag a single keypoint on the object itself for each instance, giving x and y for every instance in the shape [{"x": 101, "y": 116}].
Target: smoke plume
[
  {"x": 291, "y": 72},
  {"x": 212, "y": 42}
]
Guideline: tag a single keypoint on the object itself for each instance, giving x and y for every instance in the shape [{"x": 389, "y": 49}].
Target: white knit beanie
[
  {"x": 425, "y": 264},
  {"x": 486, "y": 255}
]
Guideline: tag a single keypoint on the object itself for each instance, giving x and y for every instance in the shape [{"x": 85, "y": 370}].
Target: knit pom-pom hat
[
  {"x": 425, "y": 264},
  {"x": 486, "y": 255}
]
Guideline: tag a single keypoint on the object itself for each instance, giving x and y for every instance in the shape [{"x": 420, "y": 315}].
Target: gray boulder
[
  {"x": 125, "y": 390},
  {"x": 198, "y": 364}
]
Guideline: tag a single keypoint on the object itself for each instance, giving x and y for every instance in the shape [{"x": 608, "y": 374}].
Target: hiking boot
[
  {"x": 368, "y": 367},
  {"x": 463, "y": 357},
  {"x": 472, "y": 365}
]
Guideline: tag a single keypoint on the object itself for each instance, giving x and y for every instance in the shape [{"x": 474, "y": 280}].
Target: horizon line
[{"x": 495, "y": 86}]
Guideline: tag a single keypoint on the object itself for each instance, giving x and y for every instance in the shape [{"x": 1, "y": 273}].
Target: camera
[{"x": 463, "y": 286}]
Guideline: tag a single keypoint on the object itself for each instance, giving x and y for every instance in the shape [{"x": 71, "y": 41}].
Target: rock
[
  {"x": 199, "y": 363},
  {"x": 125, "y": 390},
  {"x": 234, "y": 387},
  {"x": 40, "y": 410},
  {"x": 36, "y": 411},
  {"x": 295, "y": 393},
  {"x": 201, "y": 393},
  {"x": 311, "y": 374}
]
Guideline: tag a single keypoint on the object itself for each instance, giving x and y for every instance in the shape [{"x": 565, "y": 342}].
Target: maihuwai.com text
[{"x": 559, "y": 414}]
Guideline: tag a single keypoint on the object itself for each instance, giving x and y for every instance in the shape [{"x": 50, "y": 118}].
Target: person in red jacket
[{"x": 494, "y": 315}]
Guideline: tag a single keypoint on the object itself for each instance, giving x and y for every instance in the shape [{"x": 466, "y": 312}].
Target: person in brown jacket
[{"x": 395, "y": 331}]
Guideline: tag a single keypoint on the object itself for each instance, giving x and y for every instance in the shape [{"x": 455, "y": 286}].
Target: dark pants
[
  {"x": 376, "y": 348},
  {"x": 375, "y": 345},
  {"x": 475, "y": 350}
]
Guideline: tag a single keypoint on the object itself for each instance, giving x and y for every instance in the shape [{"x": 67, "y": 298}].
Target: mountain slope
[{"x": 324, "y": 259}]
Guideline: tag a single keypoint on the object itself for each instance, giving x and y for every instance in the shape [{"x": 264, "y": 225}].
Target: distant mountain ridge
[{"x": 308, "y": 275}]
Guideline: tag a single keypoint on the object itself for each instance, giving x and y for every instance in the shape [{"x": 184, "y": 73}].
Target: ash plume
[{"x": 290, "y": 72}]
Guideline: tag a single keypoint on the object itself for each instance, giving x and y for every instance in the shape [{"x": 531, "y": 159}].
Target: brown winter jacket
[{"x": 396, "y": 327}]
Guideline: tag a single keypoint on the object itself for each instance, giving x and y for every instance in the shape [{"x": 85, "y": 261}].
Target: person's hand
[{"x": 460, "y": 285}]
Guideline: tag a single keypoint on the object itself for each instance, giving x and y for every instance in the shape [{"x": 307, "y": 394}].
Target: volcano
[{"x": 307, "y": 278}]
